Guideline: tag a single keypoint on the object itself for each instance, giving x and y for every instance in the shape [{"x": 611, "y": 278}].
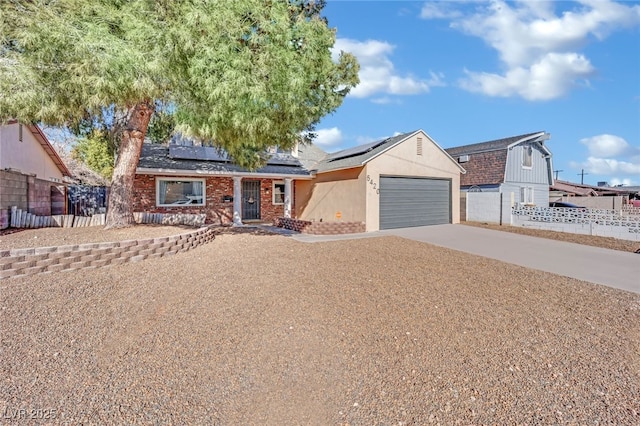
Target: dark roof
[
  {"x": 156, "y": 156},
  {"x": 493, "y": 145},
  {"x": 487, "y": 161},
  {"x": 359, "y": 155}
]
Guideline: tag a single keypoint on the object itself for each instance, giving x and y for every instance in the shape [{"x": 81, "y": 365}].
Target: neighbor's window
[
  {"x": 526, "y": 195},
  {"x": 175, "y": 192},
  {"x": 527, "y": 156},
  {"x": 278, "y": 192}
]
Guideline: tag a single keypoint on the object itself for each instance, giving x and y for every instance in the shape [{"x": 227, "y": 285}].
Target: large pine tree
[{"x": 247, "y": 74}]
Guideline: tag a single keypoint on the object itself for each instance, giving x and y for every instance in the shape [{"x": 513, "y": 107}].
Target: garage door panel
[{"x": 406, "y": 202}]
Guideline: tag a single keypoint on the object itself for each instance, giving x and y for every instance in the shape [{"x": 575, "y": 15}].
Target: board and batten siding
[
  {"x": 540, "y": 192},
  {"x": 537, "y": 174}
]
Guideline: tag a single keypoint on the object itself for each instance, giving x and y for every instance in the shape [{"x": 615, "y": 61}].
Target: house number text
[{"x": 373, "y": 184}]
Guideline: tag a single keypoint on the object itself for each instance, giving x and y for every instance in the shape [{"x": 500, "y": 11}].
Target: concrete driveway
[{"x": 612, "y": 268}]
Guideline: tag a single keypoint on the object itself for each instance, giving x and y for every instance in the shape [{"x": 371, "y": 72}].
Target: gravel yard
[{"x": 260, "y": 329}]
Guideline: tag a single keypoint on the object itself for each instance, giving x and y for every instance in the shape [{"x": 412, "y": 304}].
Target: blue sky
[{"x": 472, "y": 71}]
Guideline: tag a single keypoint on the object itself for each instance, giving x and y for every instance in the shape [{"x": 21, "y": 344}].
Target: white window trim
[
  {"x": 273, "y": 192},
  {"x": 527, "y": 194},
  {"x": 524, "y": 150},
  {"x": 181, "y": 179}
]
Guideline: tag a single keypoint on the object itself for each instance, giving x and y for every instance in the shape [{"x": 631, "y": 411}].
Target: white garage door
[{"x": 406, "y": 202}]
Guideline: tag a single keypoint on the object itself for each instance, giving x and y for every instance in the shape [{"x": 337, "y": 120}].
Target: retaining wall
[{"x": 30, "y": 261}]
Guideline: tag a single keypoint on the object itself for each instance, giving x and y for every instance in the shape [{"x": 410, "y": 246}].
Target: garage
[{"x": 412, "y": 201}]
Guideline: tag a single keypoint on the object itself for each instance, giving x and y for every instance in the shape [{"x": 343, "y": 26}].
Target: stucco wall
[
  {"x": 403, "y": 160},
  {"x": 27, "y": 156},
  {"x": 329, "y": 195}
]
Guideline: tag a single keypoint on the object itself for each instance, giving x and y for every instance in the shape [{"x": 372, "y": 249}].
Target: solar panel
[
  {"x": 283, "y": 160},
  {"x": 356, "y": 150},
  {"x": 206, "y": 153}
]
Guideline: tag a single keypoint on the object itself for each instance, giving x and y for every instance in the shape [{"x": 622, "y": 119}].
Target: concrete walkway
[{"x": 612, "y": 268}]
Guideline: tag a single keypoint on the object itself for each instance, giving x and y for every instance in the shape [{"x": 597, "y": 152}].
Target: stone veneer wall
[
  {"x": 218, "y": 211},
  {"x": 320, "y": 228},
  {"x": 30, "y": 261}
]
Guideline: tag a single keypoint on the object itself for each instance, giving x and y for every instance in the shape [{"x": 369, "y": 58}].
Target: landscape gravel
[{"x": 254, "y": 328}]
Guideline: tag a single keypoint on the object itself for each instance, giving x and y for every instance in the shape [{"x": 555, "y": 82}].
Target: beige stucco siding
[
  {"x": 27, "y": 156},
  {"x": 333, "y": 196},
  {"x": 403, "y": 160}
]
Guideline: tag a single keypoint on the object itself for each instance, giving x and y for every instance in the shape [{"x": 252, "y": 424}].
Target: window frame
[
  {"x": 527, "y": 195},
  {"x": 273, "y": 192},
  {"x": 527, "y": 154},
  {"x": 181, "y": 179}
]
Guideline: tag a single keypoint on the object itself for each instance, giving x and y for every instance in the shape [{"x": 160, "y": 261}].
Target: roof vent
[{"x": 463, "y": 159}]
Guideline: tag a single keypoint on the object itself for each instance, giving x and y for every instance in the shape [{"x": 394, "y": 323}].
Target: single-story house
[
  {"x": 182, "y": 178},
  {"x": 405, "y": 180},
  {"x": 401, "y": 181},
  {"x": 32, "y": 175},
  {"x": 520, "y": 165}
]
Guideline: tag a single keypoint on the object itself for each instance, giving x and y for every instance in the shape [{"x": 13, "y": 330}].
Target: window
[
  {"x": 526, "y": 195},
  {"x": 419, "y": 147},
  {"x": 20, "y": 132},
  {"x": 173, "y": 192},
  {"x": 527, "y": 156},
  {"x": 278, "y": 192}
]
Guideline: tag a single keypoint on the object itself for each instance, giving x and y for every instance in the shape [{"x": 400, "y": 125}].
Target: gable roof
[
  {"x": 196, "y": 160},
  {"x": 362, "y": 154},
  {"x": 46, "y": 145},
  {"x": 494, "y": 145},
  {"x": 488, "y": 160},
  {"x": 49, "y": 149}
]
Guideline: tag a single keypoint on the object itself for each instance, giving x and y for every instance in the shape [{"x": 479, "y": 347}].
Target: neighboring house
[
  {"x": 518, "y": 165},
  {"x": 405, "y": 180},
  {"x": 596, "y": 197},
  {"x": 31, "y": 172}
]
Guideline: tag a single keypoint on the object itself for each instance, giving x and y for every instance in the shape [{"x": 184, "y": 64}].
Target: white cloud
[
  {"x": 608, "y": 146},
  {"x": 328, "y": 138},
  {"x": 439, "y": 10},
  {"x": 621, "y": 182},
  {"x": 538, "y": 48},
  {"x": 377, "y": 72},
  {"x": 610, "y": 166},
  {"x": 549, "y": 78}
]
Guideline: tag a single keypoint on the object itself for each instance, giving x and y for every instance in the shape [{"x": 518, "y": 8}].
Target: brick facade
[{"x": 217, "y": 210}]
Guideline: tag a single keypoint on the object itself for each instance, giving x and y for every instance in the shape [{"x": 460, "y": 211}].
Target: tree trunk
[{"x": 120, "y": 208}]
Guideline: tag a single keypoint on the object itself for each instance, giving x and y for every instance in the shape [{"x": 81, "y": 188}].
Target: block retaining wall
[
  {"x": 30, "y": 261},
  {"x": 320, "y": 228}
]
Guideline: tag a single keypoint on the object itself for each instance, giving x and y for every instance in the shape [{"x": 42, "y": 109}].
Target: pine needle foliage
[{"x": 246, "y": 74}]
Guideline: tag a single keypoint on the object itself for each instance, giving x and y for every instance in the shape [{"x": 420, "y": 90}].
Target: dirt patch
[
  {"x": 48, "y": 237},
  {"x": 588, "y": 240},
  {"x": 261, "y": 329}
]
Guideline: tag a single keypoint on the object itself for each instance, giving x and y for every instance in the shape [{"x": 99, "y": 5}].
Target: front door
[{"x": 250, "y": 199}]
